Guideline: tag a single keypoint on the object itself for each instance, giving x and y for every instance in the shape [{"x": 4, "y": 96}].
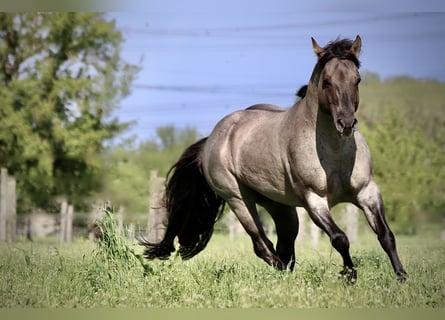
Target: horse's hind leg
[
  {"x": 319, "y": 211},
  {"x": 246, "y": 212},
  {"x": 286, "y": 224}
]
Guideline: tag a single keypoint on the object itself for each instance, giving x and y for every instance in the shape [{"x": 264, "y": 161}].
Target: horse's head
[{"x": 337, "y": 82}]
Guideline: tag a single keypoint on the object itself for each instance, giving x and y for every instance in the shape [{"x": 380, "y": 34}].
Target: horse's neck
[
  {"x": 313, "y": 122},
  {"x": 305, "y": 112}
]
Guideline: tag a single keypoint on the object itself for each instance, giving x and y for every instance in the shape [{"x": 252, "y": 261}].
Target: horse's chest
[
  {"x": 322, "y": 179},
  {"x": 328, "y": 174},
  {"x": 338, "y": 183}
]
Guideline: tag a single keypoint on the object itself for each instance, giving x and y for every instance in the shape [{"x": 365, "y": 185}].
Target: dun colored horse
[{"x": 310, "y": 155}]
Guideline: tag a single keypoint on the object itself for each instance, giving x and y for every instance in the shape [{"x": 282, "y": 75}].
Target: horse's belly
[{"x": 271, "y": 181}]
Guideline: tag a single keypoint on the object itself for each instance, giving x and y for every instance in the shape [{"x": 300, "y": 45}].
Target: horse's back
[
  {"x": 258, "y": 117},
  {"x": 254, "y": 122},
  {"x": 266, "y": 107},
  {"x": 245, "y": 146}
]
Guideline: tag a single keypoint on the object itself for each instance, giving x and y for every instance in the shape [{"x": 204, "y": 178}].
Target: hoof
[
  {"x": 278, "y": 264},
  {"x": 349, "y": 275},
  {"x": 401, "y": 276}
]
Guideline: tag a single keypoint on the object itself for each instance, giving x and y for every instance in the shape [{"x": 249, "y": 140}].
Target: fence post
[
  {"x": 11, "y": 214},
  {"x": 120, "y": 220},
  {"x": 3, "y": 211},
  {"x": 233, "y": 225},
  {"x": 131, "y": 231},
  {"x": 157, "y": 213},
  {"x": 315, "y": 235},
  {"x": 351, "y": 217},
  {"x": 8, "y": 213},
  {"x": 69, "y": 224},
  {"x": 63, "y": 218},
  {"x": 302, "y": 223}
]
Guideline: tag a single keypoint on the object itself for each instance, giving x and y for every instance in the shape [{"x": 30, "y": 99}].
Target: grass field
[{"x": 225, "y": 274}]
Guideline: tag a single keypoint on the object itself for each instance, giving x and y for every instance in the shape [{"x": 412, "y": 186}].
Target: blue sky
[{"x": 201, "y": 61}]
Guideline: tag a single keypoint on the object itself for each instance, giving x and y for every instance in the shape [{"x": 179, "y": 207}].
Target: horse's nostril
[
  {"x": 341, "y": 123},
  {"x": 354, "y": 123}
]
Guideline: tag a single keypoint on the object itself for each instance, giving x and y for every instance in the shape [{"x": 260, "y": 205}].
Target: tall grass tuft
[{"x": 113, "y": 260}]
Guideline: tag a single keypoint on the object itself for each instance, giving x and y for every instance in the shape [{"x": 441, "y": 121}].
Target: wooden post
[
  {"x": 157, "y": 214},
  {"x": 63, "y": 218},
  {"x": 69, "y": 224},
  {"x": 29, "y": 230},
  {"x": 11, "y": 214},
  {"x": 130, "y": 232},
  {"x": 315, "y": 235},
  {"x": 302, "y": 221},
  {"x": 3, "y": 201},
  {"x": 8, "y": 214},
  {"x": 306, "y": 224},
  {"x": 120, "y": 220},
  {"x": 233, "y": 225},
  {"x": 351, "y": 217}
]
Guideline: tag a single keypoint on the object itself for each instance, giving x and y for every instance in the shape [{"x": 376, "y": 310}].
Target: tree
[
  {"x": 421, "y": 102},
  {"x": 409, "y": 169},
  {"x": 128, "y": 167},
  {"x": 61, "y": 76},
  {"x": 369, "y": 78},
  {"x": 171, "y": 137}
]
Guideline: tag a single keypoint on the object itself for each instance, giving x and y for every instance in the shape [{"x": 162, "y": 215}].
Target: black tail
[{"x": 192, "y": 207}]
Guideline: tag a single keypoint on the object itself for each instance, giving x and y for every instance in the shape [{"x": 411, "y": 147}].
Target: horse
[{"x": 310, "y": 155}]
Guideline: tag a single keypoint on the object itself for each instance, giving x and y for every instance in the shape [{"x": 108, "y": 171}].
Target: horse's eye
[
  {"x": 358, "y": 82},
  {"x": 326, "y": 84}
]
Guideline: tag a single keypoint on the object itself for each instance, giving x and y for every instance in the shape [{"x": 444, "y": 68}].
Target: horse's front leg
[
  {"x": 371, "y": 202},
  {"x": 319, "y": 212}
]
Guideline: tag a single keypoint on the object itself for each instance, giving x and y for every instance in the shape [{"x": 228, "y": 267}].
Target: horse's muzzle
[{"x": 345, "y": 128}]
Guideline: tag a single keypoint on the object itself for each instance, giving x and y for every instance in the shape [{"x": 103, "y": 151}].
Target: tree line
[{"x": 62, "y": 75}]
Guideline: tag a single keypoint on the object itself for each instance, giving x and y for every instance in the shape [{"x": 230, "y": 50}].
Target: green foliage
[
  {"x": 420, "y": 102},
  {"x": 409, "y": 169},
  {"x": 403, "y": 122},
  {"x": 171, "y": 137},
  {"x": 128, "y": 167},
  {"x": 61, "y": 76}
]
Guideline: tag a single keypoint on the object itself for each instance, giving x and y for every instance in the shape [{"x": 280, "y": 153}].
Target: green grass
[{"x": 225, "y": 274}]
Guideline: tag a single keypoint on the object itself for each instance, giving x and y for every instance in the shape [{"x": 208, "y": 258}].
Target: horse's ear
[
  {"x": 356, "y": 46},
  {"x": 317, "y": 49}
]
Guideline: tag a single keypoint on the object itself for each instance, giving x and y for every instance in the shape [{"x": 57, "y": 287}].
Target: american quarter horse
[{"x": 310, "y": 155}]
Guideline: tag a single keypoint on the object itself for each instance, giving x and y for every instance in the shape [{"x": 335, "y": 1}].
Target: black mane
[
  {"x": 340, "y": 49},
  {"x": 301, "y": 93}
]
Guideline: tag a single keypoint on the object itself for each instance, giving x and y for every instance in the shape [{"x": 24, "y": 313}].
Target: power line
[
  {"x": 225, "y": 31},
  {"x": 212, "y": 89}
]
